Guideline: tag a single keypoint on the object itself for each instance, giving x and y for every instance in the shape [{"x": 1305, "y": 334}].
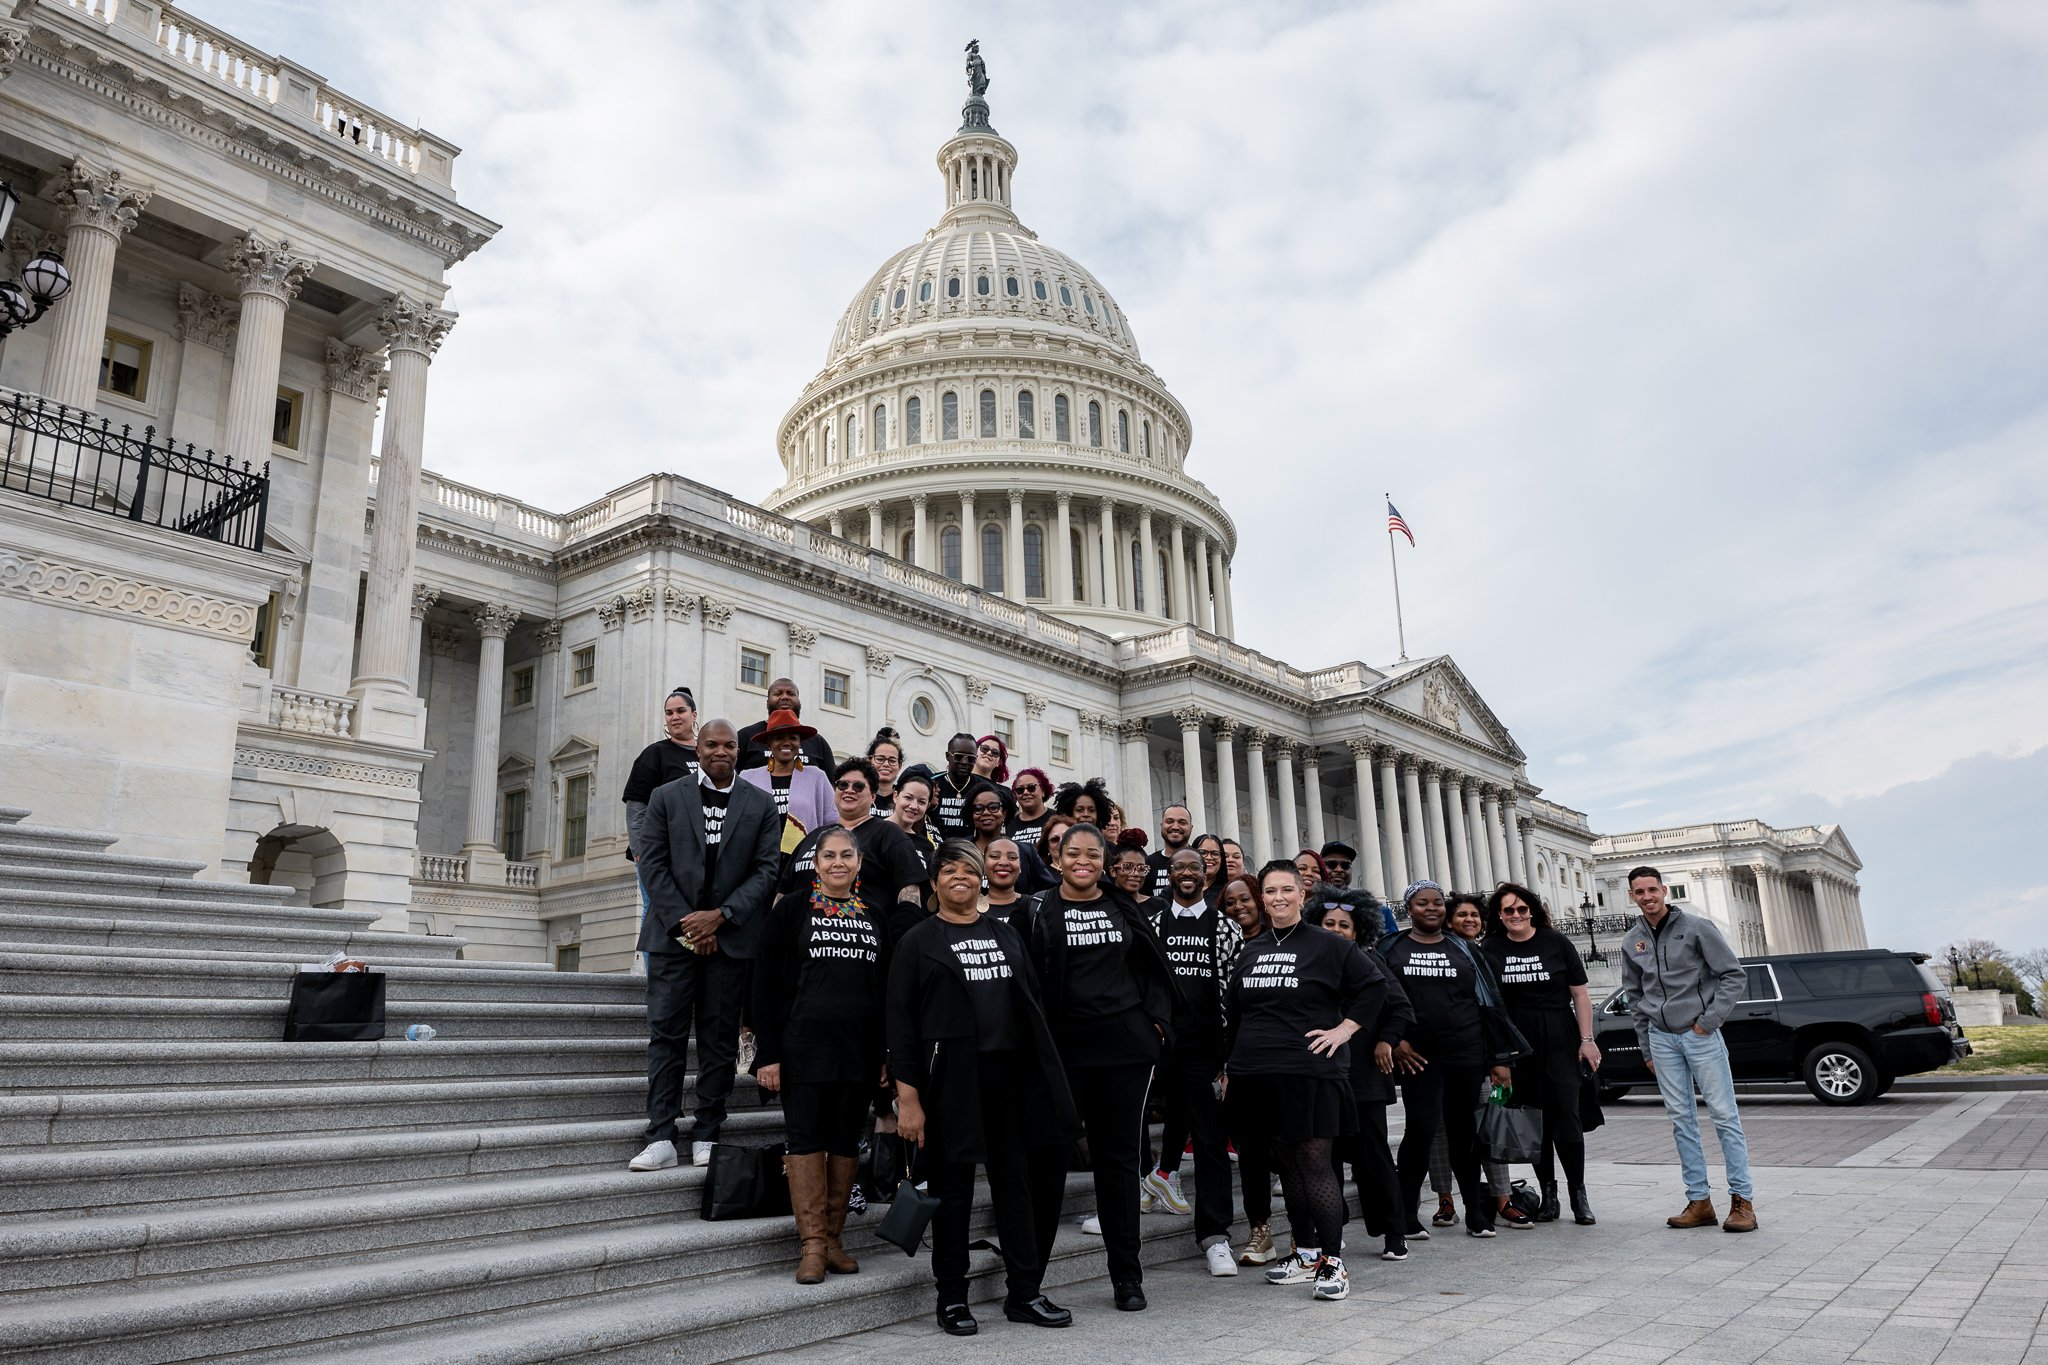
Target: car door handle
[{"x": 1759, "y": 1012}]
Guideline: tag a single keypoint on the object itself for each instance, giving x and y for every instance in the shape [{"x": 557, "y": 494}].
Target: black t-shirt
[
  {"x": 1442, "y": 983},
  {"x": 888, "y": 863},
  {"x": 715, "y": 803},
  {"x": 949, "y": 810},
  {"x": 778, "y": 787},
  {"x": 989, "y": 985},
  {"x": 1190, "y": 943},
  {"x": 1157, "y": 884},
  {"x": 1098, "y": 979},
  {"x": 835, "y": 1021},
  {"x": 660, "y": 762},
  {"x": 1288, "y": 982},
  {"x": 1027, "y": 832},
  {"x": 1537, "y": 975}
]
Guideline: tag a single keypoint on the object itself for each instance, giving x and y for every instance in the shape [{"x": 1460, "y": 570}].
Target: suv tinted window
[
  {"x": 1757, "y": 984},
  {"x": 1857, "y": 976}
]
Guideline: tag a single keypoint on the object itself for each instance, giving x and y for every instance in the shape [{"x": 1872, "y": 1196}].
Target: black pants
[
  {"x": 685, "y": 988},
  {"x": 1191, "y": 1109},
  {"x": 1372, "y": 1168},
  {"x": 825, "y": 1116},
  {"x": 1442, "y": 1096},
  {"x": 1111, "y": 1100},
  {"x": 1022, "y": 1180},
  {"x": 1254, "y": 1173}
]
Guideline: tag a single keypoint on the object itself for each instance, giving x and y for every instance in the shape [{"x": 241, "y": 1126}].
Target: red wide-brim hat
[{"x": 783, "y": 723}]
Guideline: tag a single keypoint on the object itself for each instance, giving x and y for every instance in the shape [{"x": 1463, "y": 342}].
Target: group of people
[{"x": 975, "y": 969}]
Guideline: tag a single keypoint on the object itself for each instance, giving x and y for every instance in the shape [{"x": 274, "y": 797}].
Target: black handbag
[
  {"x": 910, "y": 1213},
  {"x": 1509, "y": 1133},
  {"x": 1590, "y": 1115},
  {"x": 881, "y": 1169},
  {"x": 745, "y": 1182},
  {"x": 335, "y": 1007}
]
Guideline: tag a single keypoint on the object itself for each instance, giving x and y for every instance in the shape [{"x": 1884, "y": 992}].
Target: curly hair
[
  {"x": 1071, "y": 793},
  {"x": 1539, "y": 914}
]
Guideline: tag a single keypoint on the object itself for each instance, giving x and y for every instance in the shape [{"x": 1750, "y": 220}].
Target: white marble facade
[
  {"x": 447, "y": 685},
  {"x": 1770, "y": 890}
]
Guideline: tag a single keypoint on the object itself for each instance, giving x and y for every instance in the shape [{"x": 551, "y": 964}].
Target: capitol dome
[{"x": 984, "y": 414}]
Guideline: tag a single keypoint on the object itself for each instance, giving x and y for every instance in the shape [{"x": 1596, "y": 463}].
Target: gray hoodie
[{"x": 1678, "y": 975}]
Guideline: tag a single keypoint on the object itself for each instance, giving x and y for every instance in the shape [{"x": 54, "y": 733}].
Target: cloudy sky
[{"x": 1705, "y": 346}]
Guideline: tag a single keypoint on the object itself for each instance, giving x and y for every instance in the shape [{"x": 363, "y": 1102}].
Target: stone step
[
  {"x": 35, "y": 900},
  {"x": 286, "y": 956},
  {"x": 47, "y": 878},
  {"x": 188, "y": 937},
  {"x": 29, "y": 1068},
  {"x": 47, "y": 849},
  {"x": 13, "y": 815},
  {"x": 42, "y": 1184},
  {"x": 89, "y": 1017},
  {"x": 117, "y": 973},
  {"x": 21, "y": 833},
  {"x": 669, "y": 1266}
]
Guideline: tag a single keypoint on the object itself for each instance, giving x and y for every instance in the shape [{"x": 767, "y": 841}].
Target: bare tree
[{"x": 2032, "y": 968}]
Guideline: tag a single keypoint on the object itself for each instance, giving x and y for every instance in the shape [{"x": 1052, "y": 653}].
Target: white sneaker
[
  {"x": 1221, "y": 1262},
  {"x": 1165, "y": 1190},
  {"x": 1332, "y": 1280},
  {"x": 700, "y": 1154},
  {"x": 655, "y": 1156},
  {"x": 1144, "y": 1196},
  {"x": 1092, "y": 1225},
  {"x": 1296, "y": 1269}
]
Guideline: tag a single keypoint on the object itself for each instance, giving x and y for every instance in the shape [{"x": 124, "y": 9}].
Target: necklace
[
  {"x": 833, "y": 907},
  {"x": 1280, "y": 938}
]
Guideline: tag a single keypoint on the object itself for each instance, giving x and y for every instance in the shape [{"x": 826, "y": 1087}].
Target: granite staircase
[{"x": 176, "y": 1184}]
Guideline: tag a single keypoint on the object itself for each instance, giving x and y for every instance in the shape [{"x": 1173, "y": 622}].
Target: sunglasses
[
  {"x": 1340, "y": 864},
  {"x": 989, "y": 749},
  {"x": 851, "y": 786},
  {"x": 1517, "y": 911},
  {"x": 1027, "y": 789}
]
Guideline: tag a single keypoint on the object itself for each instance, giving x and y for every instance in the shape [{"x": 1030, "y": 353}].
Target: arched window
[
  {"x": 913, "y": 423},
  {"x": 897, "y": 300},
  {"x": 1165, "y": 587},
  {"x": 879, "y": 430},
  {"x": 1137, "y": 576},
  {"x": 1145, "y": 439},
  {"x": 987, "y": 405},
  {"x": 1062, "y": 422},
  {"x": 909, "y": 555},
  {"x": 852, "y": 447},
  {"x": 1123, "y": 431},
  {"x": 949, "y": 552},
  {"x": 1011, "y": 287},
  {"x": 992, "y": 558},
  {"x": 924, "y": 291},
  {"x": 953, "y": 287},
  {"x": 1078, "y": 559},
  {"x": 1027, "y": 416},
  {"x": 981, "y": 285},
  {"x": 1034, "y": 562},
  {"x": 1038, "y": 290},
  {"x": 1094, "y": 423},
  {"x": 949, "y": 417}
]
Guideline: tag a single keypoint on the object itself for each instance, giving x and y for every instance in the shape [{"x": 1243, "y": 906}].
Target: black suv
[{"x": 1847, "y": 1024}]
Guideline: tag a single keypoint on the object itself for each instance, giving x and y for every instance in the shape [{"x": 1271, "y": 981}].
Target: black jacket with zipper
[{"x": 1045, "y": 935}]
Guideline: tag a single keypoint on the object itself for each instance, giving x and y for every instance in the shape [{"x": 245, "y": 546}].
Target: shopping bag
[
  {"x": 1590, "y": 1116},
  {"x": 1508, "y": 1133},
  {"x": 335, "y": 1007},
  {"x": 910, "y": 1213},
  {"x": 745, "y": 1182}
]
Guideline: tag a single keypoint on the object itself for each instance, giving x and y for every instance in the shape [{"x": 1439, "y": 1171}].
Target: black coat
[
  {"x": 1045, "y": 935},
  {"x": 1390, "y": 1026},
  {"x": 778, "y": 980},
  {"x": 933, "y": 1044},
  {"x": 672, "y": 865}
]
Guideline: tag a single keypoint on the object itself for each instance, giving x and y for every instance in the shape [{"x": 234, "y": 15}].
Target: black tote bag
[
  {"x": 745, "y": 1182},
  {"x": 1509, "y": 1133},
  {"x": 1590, "y": 1115},
  {"x": 335, "y": 1007}
]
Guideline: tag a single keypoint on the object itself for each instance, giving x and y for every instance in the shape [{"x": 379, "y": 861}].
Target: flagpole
[{"x": 1400, "y": 630}]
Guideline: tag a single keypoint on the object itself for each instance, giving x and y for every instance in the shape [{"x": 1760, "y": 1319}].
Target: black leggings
[
  {"x": 825, "y": 1116},
  {"x": 1443, "y": 1096},
  {"x": 1315, "y": 1198}
]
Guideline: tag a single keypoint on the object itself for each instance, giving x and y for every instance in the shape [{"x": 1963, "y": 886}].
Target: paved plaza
[{"x": 1911, "y": 1231}]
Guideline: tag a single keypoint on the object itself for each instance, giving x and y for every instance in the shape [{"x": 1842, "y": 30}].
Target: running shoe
[
  {"x": 1333, "y": 1282},
  {"x": 1446, "y": 1213},
  {"x": 1092, "y": 1226},
  {"x": 1221, "y": 1262},
  {"x": 1165, "y": 1193},
  {"x": 1296, "y": 1269},
  {"x": 1515, "y": 1218},
  {"x": 1396, "y": 1249}
]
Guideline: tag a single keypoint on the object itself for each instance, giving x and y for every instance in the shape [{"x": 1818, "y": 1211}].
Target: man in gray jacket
[
  {"x": 710, "y": 849},
  {"x": 1683, "y": 980}
]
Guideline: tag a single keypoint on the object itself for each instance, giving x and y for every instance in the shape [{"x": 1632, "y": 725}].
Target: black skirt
[
  {"x": 1550, "y": 1073},
  {"x": 1291, "y": 1108}
]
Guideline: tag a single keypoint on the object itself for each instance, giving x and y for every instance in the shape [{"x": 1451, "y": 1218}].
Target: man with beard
[
  {"x": 954, "y": 790},
  {"x": 1176, "y": 827},
  {"x": 782, "y": 696}
]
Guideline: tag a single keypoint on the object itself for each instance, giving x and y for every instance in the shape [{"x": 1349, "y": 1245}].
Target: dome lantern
[{"x": 977, "y": 161}]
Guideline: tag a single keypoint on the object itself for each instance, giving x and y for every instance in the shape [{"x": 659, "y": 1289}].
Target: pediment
[
  {"x": 573, "y": 748},
  {"x": 515, "y": 765},
  {"x": 1437, "y": 693}
]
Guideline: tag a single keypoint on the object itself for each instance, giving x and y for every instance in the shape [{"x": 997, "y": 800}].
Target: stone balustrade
[
  {"x": 439, "y": 867},
  {"x": 213, "y": 53},
  {"x": 311, "y": 713},
  {"x": 524, "y": 875}
]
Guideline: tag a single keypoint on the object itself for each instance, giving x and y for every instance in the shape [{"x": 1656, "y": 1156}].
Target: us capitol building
[{"x": 396, "y": 692}]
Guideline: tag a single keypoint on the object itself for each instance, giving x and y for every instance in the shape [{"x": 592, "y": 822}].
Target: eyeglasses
[
  {"x": 980, "y": 809},
  {"x": 1517, "y": 911},
  {"x": 851, "y": 786}
]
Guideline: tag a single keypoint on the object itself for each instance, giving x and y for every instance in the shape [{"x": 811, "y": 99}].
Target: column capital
[
  {"x": 206, "y": 318},
  {"x": 640, "y": 602},
  {"x": 801, "y": 638},
  {"x": 1131, "y": 729},
  {"x": 977, "y": 689},
  {"x": 495, "y": 622},
  {"x": 920, "y": 500},
  {"x": 1255, "y": 739},
  {"x": 89, "y": 195},
  {"x": 966, "y": 498},
  {"x": 676, "y": 604},
  {"x": 1409, "y": 764},
  {"x": 1433, "y": 772},
  {"x": 1016, "y": 494},
  {"x": 1035, "y": 704},
  {"x": 1063, "y": 496},
  {"x": 423, "y": 599},
  {"x": 443, "y": 641},
  {"x": 1144, "y": 515},
  {"x": 1283, "y": 747},
  {"x": 1225, "y": 729},
  {"x": 1311, "y": 756},
  {"x": 1714, "y": 874},
  {"x": 1362, "y": 748},
  {"x": 408, "y": 325},
  {"x": 549, "y": 633},
  {"x": 1190, "y": 717},
  {"x": 356, "y": 371},
  {"x": 611, "y": 615},
  {"x": 1088, "y": 723},
  {"x": 874, "y": 507},
  {"x": 268, "y": 266},
  {"x": 717, "y": 615},
  {"x": 1177, "y": 522},
  {"x": 879, "y": 660}
]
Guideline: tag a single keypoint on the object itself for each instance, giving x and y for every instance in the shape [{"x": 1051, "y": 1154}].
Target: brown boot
[
  {"x": 839, "y": 1171},
  {"x": 807, "y": 1202},
  {"x": 1741, "y": 1215},
  {"x": 1699, "y": 1213}
]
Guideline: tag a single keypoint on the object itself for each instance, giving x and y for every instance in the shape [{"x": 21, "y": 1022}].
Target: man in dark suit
[
  {"x": 709, "y": 855},
  {"x": 782, "y": 696}
]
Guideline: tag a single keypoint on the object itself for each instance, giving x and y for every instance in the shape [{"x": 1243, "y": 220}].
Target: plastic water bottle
[{"x": 420, "y": 1033}]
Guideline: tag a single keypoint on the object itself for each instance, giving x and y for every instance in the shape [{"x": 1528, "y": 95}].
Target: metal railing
[{"x": 82, "y": 460}]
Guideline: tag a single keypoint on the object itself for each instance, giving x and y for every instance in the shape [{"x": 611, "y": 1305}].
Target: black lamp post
[
  {"x": 44, "y": 280},
  {"x": 1593, "y": 953}
]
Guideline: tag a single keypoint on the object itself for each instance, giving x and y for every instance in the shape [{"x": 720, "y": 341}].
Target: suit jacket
[{"x": 672, "y": 865}]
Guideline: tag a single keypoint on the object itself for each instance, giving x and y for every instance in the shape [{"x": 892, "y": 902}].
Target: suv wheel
[{"x": 1841, "y": 1073}]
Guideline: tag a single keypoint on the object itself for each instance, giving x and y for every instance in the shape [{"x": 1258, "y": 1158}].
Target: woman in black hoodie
[
  {"x": 1110, "y": 997},
  {"x": 978, "y": 1082}
]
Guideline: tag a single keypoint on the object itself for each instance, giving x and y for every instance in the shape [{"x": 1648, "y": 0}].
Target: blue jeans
[{"x": 1684, "y": 1060}]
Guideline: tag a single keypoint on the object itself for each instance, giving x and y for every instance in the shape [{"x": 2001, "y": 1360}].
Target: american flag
[{"x": 1394, "y": 523}]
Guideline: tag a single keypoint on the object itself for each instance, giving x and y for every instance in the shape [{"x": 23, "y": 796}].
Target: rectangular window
[
  {"x": 284, "y": 421},
  {"x": 522, "y": 686},
  {"x": 1062, "y": 419},
  {"x": 838, "y": 689},
  {"x": 1027, "y": 416},
  {"x": 583, "y": 666},
  {"x": 1059, "y": 747},
  {"x": 264, "y": 646},
  {"x": 569, "y": 957},
  {"x": 514, "y": 843},
  {"x": 988, "y": 414},
  {"x": 949, "y": 417},
  {"x": 1005, "y": 729},
  {"x": 575, "y": 815},
  {"x": 124, "y": 366},
  {"x": 913, "y": 422},
  {"x": 1678, "y": 891},
  {"x": 754, "y": 665}
]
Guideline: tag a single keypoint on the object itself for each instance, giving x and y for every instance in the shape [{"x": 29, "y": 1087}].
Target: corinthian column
[
  {"x": 1191, "y": 718},
  {"x": 1373, "y": 874},
  {"x": 1255, "y": 777},
  {"x": 1290, "y": 824},
  {"x": 97, "y": 210},
  {"x": 271, "y": 274},
  {"x": 1226, "y": 779},
  {"x": 920, "y": 531},
  {"x": 1148, "y": 585},
  {"x": 414, "y": 332},
  {"x": 494, "y": 623},
  {"x": 423, "y": 599},
  {"x": 970, "y": 542},
  {"x": 1411, "y": 794},
  {"x": 1440, "y": 865},
  {"x": 1205, "y": 608},
  {"x": 1461, "y": 848},
  {"x": 1390, "y": 810},
  {"x": 1312, "y": 788},
  {"x": 1496, "y": 841},
  {"x": 1177, "y": 547},
  {"x": 1518, "y": 865},
  {"x": 1013, "y": 551},
  {"x": 1062, "y": 590},
  {"x": 1475, "y": 824}
]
